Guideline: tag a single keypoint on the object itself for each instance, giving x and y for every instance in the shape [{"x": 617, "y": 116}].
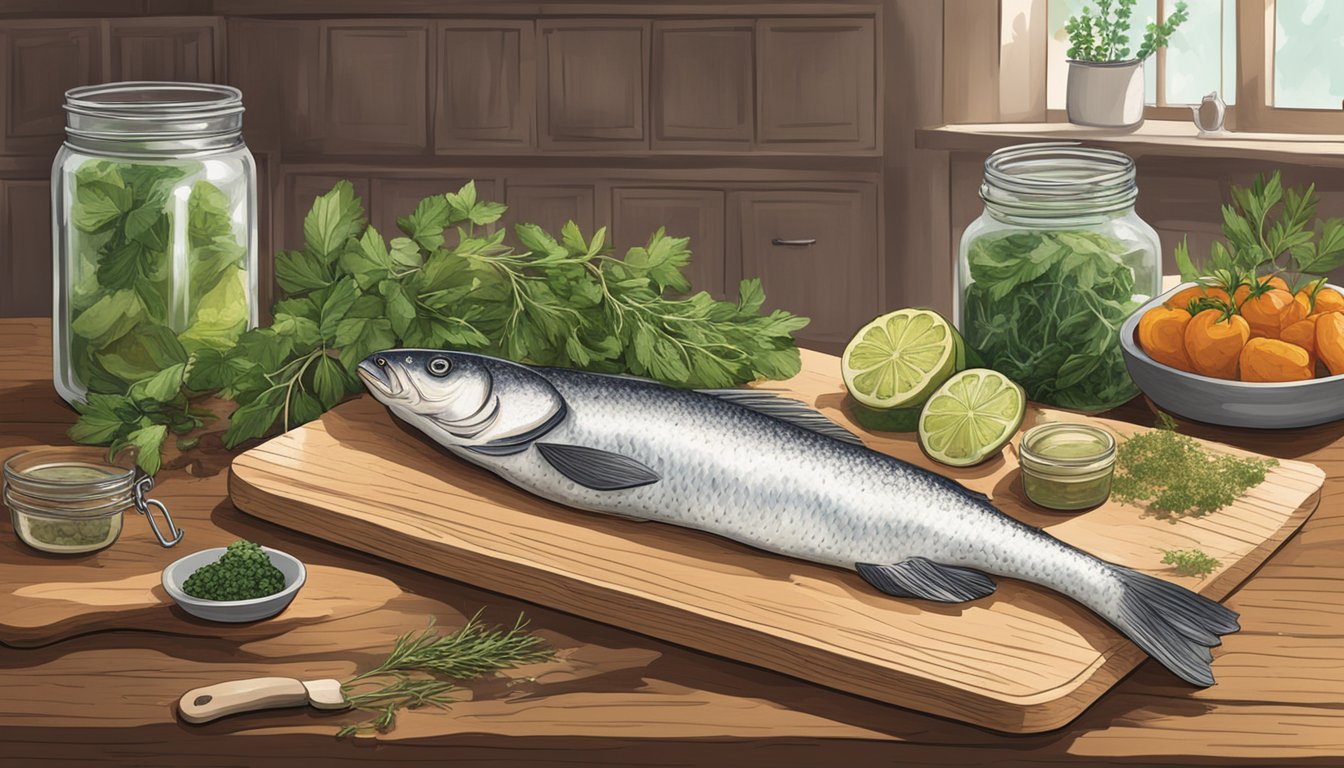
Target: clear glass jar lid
[
  {"x": 1062, "y": 449},
  {"x": 152, "y": 116},
  {"x": 1055, "y": 180}
]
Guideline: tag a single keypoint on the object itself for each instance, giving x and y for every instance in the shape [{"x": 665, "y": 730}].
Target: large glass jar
[
  {"x": 1051, "y": 269},
  {"x": 153, "y": 231}
]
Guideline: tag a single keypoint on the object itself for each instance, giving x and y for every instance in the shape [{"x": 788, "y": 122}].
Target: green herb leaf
[
  {"x": 297, "y": 272},
  {"x": 329, "y": 381},
  {"x": 148, "y": 442},
  {"x": 254, "y": 419},
  {"x": 161, "y": 387},
  {"x": 425, "y": 226},
  {"x": 335, "y": 217}
]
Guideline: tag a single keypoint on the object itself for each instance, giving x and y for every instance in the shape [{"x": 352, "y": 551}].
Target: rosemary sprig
[{"x": 405, "y": 680}]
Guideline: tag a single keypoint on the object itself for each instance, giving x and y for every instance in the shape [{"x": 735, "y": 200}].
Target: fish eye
[
  {"x": 381, "y": 362},
  {"x": 439, "y": 366}
]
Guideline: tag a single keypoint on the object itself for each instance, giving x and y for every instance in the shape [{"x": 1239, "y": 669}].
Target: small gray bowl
[
  {"x": 234, "y": 611},
  {"x": 1229, "y": 403}
]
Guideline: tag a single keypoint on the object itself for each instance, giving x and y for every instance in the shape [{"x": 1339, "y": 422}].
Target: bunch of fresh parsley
[
  {"x": 452, "y": 282},
  {"x": 1270, "y": 229}
]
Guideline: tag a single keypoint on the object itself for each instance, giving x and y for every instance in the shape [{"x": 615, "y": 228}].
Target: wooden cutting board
[{"x": 1022, "y": 660}]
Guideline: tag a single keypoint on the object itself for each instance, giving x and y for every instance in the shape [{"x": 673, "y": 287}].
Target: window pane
[
  {"x": 1057, "y": 47},
  {"x": 1308, "y": 43},
  {"x": 1201, "y": 56}
]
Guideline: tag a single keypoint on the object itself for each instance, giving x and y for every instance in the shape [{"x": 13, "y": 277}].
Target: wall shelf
[{"x": 1155, "y": 137}]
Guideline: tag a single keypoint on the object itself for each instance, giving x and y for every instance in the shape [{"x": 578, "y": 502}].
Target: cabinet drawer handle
[{"x": 799, "y": 243}]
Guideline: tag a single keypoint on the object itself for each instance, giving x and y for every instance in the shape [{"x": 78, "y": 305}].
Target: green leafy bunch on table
[{"x": 452, "y": 281}]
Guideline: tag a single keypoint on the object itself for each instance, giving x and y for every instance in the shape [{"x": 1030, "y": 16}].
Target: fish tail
[{"x": 1172, "y": 624}]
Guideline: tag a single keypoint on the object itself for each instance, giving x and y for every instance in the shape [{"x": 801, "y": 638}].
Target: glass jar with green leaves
[
  {"x": 154, "y": 240},
  {"x": 1052, "y": 268}
]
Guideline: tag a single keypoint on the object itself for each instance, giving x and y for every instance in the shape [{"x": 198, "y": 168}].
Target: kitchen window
[{"x": 1279, "y": 64}]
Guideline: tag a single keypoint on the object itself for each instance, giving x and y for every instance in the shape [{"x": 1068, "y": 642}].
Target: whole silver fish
[{"x": 769, "y": 472}]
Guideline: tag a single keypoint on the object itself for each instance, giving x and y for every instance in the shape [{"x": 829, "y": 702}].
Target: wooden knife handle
[{"x": 201, "y": 705}]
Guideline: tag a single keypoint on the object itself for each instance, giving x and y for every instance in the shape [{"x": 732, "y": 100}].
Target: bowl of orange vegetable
[{"x": 1264, "y": 357}]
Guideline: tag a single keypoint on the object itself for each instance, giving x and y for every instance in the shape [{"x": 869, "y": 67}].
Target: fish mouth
[{"x": 375, "y": 377}]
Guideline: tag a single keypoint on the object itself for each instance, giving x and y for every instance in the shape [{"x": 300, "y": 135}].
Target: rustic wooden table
[{"x": 612, "y": 698}]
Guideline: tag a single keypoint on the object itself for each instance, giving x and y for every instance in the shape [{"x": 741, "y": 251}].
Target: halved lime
[
  {"x": 971, "y": 417},
  {"x": 898, "y": 359}
]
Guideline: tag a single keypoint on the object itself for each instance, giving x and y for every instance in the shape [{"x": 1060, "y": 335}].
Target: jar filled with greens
[
  {"x": 154, "y": 224},
  {"x": 1052, "y": 268}
]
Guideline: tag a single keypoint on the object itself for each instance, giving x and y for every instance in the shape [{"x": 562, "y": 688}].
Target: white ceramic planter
[{"x": 1106, "y": 94}]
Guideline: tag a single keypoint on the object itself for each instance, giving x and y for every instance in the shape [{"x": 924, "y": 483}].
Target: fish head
[{"x": 462, "y": 399}]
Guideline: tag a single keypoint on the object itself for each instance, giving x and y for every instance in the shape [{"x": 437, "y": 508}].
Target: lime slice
[
  {"x": 898, "y": 359},
  {"x": 885, "y": 419},
  {"x": 971, "y": 417}
]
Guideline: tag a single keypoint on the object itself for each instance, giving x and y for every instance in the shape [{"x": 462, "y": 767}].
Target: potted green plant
[{"x": 1105, "y": 82}]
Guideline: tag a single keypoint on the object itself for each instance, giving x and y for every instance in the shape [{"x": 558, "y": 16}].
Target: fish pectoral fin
[
  {"x": 922, "y": 578},
  {"x": 597, "y": 469}
]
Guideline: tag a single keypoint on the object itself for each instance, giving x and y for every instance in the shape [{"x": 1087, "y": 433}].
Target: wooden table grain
[{"x": 106, "y": 697}]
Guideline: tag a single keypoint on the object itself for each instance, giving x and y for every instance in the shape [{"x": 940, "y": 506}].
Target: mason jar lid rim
[
  {"x": 1013, "y": 166},
  {"x": 84, "y": 100},
  {"x": 1036, "y": 433}
]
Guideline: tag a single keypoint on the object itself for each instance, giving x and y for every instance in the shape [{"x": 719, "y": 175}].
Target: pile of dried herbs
[{"x": 1173, "y": 476}]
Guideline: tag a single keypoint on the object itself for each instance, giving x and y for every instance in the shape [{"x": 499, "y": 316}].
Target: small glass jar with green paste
[
  {"x": 72, "y": 500},
  {"x": 1067, "y": 467}
]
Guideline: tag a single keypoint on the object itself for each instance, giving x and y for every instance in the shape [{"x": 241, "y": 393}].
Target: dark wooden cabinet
[
  {"x": 816, "y": 255},
  {"x": 166, "y": 49},
  {"x": 637, "y": 212},
  {"x": 816, "y": 83},
  {"x": 733, "y": 126},
  {"x": 374, "y": 86},
  {"x": 548, "y": 204},
  {"x": 274, "y": 63},
  {"x": 703, "y": 94},
  {"x": 41, "y": 60},
  {"x": 486, "y": 96},
  {"x": 593, "y": 78},
  {"x": 25, "y": 235}
]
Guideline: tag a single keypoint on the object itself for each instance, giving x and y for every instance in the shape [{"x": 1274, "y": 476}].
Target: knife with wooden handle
[{"x": 201, "y": 705}]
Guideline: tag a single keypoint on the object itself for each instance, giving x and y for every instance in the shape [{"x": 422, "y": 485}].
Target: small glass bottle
[
  {"x": 154, "y": 232},
  {"x": 1051, "y": 269},
  {"x": 1067, "y": 467},
  {"x": 71, "y": 500}
]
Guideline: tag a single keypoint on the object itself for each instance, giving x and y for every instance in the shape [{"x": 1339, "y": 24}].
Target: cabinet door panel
[
  {"x": 816, "y": 81},
  {"x": 164, "y": 49},
  {"x": 638, "y": 212},
  {"x": 299, "y": 191},
  {"x": 549, "y": 206},
  {"x": 702, "y": 84},
  {"x": 374, "y": 86},
  {"x": 816, "y": 255},
  {"x": 394, "y": 198},
  {"x": 41, "y": 62},
  {"x": 593, "y": 76},
  {"x": 487, "y": 86},
  {"x": 25, "y": 263},
  {"x": 275, "y": 64}
]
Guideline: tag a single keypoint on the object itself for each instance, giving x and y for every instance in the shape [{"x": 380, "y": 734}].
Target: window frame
[{"x": 1255, "y": 110}]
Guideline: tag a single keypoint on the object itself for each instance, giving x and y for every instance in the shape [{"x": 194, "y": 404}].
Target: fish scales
[{"x": 770, "y": 475}]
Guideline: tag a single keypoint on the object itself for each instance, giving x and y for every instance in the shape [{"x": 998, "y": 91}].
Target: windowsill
[{"x": 1153, "y": 137}]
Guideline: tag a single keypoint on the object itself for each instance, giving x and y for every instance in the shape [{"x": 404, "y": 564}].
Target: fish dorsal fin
[
  {"x": 597, "y": 469},
  {"x": 785, "y": 409},
  {"x": 922, "y": 578}
]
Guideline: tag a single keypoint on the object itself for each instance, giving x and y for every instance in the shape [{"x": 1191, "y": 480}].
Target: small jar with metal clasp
[{"x": 71, "y": 500}]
